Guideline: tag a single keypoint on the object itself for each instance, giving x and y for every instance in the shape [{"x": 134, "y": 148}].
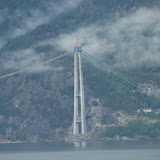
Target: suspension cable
[
  {"x": 32, "y": 67},
  {"x": 109, "y": 68}
]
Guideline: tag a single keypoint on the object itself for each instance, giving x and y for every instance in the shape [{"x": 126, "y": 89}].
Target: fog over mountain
[{"x": 132, "y": 39}]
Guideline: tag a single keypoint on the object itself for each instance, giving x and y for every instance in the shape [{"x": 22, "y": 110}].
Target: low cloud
[
  {"x": 23, "y": 59},
  {"x": 131, "y": 40},
  {"x": 38, "y": 17},
  {"x": 2, "y": 42},
  {"x": 28, "y": 22}
]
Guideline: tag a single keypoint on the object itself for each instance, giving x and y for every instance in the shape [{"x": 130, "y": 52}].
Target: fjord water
[{"x": 78, "y": 151}]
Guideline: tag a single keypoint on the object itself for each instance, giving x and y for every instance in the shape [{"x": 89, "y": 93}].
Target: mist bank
[{"x": 131, "y": 40}]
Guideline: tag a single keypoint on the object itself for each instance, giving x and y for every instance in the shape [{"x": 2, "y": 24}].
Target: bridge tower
[{"x": 79, "y": 122}]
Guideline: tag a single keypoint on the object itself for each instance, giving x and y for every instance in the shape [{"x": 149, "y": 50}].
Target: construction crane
[{"x": 77, "y": 47}]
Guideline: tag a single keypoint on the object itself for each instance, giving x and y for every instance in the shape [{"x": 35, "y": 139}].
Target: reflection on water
[
  {"x": 80, "y": 144},
  {"x": 125, "y": 150},
  {"x": 84, "y": 144},
  {"x": 77, "y": 144}
]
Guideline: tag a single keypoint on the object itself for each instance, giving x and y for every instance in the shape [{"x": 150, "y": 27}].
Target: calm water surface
[{"x": 82, "y": 151}]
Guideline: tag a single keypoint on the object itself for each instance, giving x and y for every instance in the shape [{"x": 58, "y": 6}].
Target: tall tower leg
[
  {"x": 75, "y": 124},
  {"x": 83, "y": 114},
  {"x": 79, "y": 102}
]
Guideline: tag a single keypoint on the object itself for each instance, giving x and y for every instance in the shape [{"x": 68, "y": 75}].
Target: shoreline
[{"x": 82, "y": 140}]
